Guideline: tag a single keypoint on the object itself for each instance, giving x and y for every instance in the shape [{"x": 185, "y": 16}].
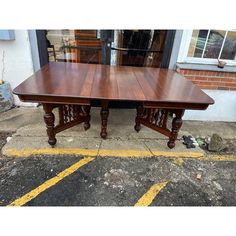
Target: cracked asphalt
[{"x": 119, "y": 181}]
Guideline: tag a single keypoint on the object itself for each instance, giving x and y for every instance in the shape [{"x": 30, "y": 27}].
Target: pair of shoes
[{"x": 189, "y": 141}]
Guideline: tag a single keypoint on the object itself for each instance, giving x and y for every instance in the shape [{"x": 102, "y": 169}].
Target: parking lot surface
[{"x": 151, "y": 181}]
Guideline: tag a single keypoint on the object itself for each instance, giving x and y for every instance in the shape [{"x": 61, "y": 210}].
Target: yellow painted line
[
  {"x": 115, "y": 153},
  {"x": 149, "y": 196},
  {"x": 218, "y": 158},
  {"x": 49, "y": 183},
  {"x": 49, "y": 151},
  {"x": 102, "y": 152},
  {"x": 124, "y": 153},
  {"x": 178, "y": 154}
]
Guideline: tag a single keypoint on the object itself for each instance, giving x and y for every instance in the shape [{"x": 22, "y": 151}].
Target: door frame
[
  {"x": 42, "y": 47},
  {"x": 168, "y": 46}
]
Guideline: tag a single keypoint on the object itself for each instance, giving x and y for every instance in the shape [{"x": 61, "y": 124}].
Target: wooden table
[{"x": 162, "y": 94}]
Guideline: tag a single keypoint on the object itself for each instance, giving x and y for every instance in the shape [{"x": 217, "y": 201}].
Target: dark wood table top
[{"x": 58, "y": 80}]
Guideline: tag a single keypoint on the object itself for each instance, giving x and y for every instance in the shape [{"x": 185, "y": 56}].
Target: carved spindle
[
  {"x": 74, "y": 115},
  {"x": 61, "y": 115},
  {"x": 65, "y": 113},
  {"x": 144, "y": 113},
  {"x": 152, "y": 115},
  {"x": 49, "y": 119},
  {"x": 156, "y": 116},
  {"x": 160, "y": 124},
  {"x": 80, "y": 111},
  {"x": 104, "y": 117},
  {"x": 69, "y": 113},
  {"x": 165, "y": 119},
  {"x": 137, "y": 126},
  {"x": 176, "y": 125},
  {"x": 149, "y": 114},
  {"x": 87, "y": 117}
]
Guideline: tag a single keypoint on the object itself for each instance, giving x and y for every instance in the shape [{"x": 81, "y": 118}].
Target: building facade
[{"x": 206, "y": 57}]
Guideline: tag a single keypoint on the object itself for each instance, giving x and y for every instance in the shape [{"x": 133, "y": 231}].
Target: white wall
[
  {"x": 18, "y": 63},
  {"x": 224, "y": 108}
]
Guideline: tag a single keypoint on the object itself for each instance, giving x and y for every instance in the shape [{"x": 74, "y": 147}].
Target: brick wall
[{"x": 211, "y": 79}]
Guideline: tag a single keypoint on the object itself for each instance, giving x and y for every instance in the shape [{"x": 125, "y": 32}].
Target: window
[{"x": 208, "y": 46}]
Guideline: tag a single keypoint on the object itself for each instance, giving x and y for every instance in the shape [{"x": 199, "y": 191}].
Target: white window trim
[{"x": 183, "y": 53}]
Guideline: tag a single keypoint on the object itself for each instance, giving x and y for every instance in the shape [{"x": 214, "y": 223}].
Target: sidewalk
[{"x": 30, "y": 136}]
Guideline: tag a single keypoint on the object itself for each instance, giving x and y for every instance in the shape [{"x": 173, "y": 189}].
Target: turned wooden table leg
[
  {"x": 137, "y": 126},
  {"x": 87, "y": 117},
  {"x": 49, "y": 119},
  {"x": 176, "y": 125},
  {"x": 104, "y": 117}
]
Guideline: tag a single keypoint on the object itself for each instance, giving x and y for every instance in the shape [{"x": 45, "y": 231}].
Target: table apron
[
  {"x": 55, "y": 100},
  {"x": 169, "y": 105}
]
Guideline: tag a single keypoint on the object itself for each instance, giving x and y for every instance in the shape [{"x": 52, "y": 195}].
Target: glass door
[
  {"x": 138, "y": 47},
  {"x": 78, "y": 46},
  {"x": 116, "y": 47}
]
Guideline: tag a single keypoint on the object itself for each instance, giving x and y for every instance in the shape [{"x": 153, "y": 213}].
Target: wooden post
[
  {"x": 104, "y": 117},
  {"x": 137, "y": 126},
  {"x": 87, "y": 117},
  {"x": 176, "y": 125},
  {"x": 49, "y": 119}
]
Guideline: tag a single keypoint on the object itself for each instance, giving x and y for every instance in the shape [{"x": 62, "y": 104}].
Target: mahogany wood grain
[{"x": 88, "y": 81}]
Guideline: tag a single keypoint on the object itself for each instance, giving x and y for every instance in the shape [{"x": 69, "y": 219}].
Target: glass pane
[
  {"x": 197, "y": 43},
  {"x": 128, "y": 47},
  {"x": 138, "y": 47},
  {"x": 229, "y": 49},
  {"x": 214, "y": 43},
  {"x": 74, "y": 46}
]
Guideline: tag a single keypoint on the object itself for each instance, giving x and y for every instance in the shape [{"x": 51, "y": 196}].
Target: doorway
[{"x": 146, "y": 48}]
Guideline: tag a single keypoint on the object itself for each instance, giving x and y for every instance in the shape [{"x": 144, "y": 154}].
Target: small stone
[
  {"x": 208, "y": 139},
  {"x": 13, "y": 172},
  {"x": 216, "y": 143},
  {"x": 51, "y": 170},
  {"x": 199, "y": 176},
  {"x": 9, "y": 138},
  {"x": 217, "y": 185},
  {"x": 70, "y": 140},
  {"x": 106, "y": 174}
]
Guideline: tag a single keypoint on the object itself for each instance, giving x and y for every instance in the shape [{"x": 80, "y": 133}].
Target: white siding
[{"x": 18, "y": 63}]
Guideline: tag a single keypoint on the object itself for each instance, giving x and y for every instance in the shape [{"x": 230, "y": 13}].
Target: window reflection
[{"x": 229, "y": 49}]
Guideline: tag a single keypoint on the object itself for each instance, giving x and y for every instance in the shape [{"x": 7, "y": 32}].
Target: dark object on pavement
[{"x": 188, "y": 141}]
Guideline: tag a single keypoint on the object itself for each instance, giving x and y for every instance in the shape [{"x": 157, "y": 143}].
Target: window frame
[{"x": 184, "y": 48}]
